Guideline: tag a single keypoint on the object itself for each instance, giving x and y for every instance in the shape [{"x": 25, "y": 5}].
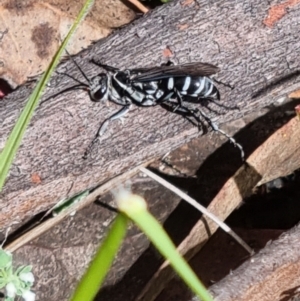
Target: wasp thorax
[{"x": 98, "y": 87}]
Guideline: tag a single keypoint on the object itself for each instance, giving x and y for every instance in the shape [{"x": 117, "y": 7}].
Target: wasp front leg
[
  {"x": 117, "y": 116},
  {"x": 102, "y": 129}
]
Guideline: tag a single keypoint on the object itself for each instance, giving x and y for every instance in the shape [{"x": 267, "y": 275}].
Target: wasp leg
[
  {"x": 179, "y": 100},
  {"x": 214, "y": 126},
  {"x": 222, "y": 106},
  {"x": 104, "y": 126},
  {"x": 116, "y": 116},
  {"x": 224, "y": 84},
  {"x": 106, "y": 67}
]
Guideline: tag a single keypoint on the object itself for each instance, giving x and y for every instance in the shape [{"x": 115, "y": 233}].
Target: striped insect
[{"x": 172, "y": 86}]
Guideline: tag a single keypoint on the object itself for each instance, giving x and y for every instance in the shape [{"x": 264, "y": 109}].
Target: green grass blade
[
  {"x": 14, "y": 140},
  {"x": 94, "y": 276},
  {"x": 134, "y": 207}
]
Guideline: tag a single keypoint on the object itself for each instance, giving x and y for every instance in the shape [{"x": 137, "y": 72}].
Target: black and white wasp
[{"x": 170, "y": 85}]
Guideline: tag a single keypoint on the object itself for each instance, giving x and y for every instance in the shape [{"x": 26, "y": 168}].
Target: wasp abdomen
[{"x": 200, "y": 87}]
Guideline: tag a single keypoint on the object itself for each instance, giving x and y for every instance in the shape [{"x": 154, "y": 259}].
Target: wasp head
[{"x": 98, "y": 87}]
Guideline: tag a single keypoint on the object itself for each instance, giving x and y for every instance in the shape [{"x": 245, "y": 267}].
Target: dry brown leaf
[{"x": 32, "y": 31}]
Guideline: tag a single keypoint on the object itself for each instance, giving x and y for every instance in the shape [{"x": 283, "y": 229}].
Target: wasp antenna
[
  {"x": 75, "y": 63},
  {"x": 76, "y": 87},
  {"x": 72, "y": 77}
]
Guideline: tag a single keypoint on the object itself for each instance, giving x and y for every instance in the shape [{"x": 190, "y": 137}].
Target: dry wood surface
[
  {"x": 272, "y": 274},
  {"x": 260, "y": 60}
]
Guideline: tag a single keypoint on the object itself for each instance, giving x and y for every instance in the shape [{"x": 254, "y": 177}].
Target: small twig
[
  {"x": 197, "y": 206},
  {"x": 139, "y": 5}
]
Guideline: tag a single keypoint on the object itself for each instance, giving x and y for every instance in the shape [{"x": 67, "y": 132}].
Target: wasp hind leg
[
  {"x": 223, "y": 84},
  {"x": 102, "y": 129},
  {"x": 193, "y": 113},
  {"x": 179, "y": 100},
  {"x": 216, "y": 128}
]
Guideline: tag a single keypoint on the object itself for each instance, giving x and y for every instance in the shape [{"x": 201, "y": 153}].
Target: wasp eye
[{"x": 98, "y": 87}]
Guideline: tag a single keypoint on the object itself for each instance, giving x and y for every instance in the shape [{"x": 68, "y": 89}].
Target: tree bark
[
  {"x": 260, "y": 61},
  {"x": 272, "y": 274}
]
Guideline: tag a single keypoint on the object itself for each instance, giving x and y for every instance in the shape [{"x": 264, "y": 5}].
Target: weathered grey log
[
  {"x": 272, "y": 274},
  {"x": 226, "y": 33}
]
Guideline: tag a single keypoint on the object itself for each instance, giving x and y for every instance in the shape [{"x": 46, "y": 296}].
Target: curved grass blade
[
  {"x": 135, "y": 208},
  {"x": 99, "y": 267},
  {"x": 14, "y": 140}
]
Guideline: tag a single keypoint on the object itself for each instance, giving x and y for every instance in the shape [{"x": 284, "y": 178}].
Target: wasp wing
[{"x": 157, "y": 73}]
